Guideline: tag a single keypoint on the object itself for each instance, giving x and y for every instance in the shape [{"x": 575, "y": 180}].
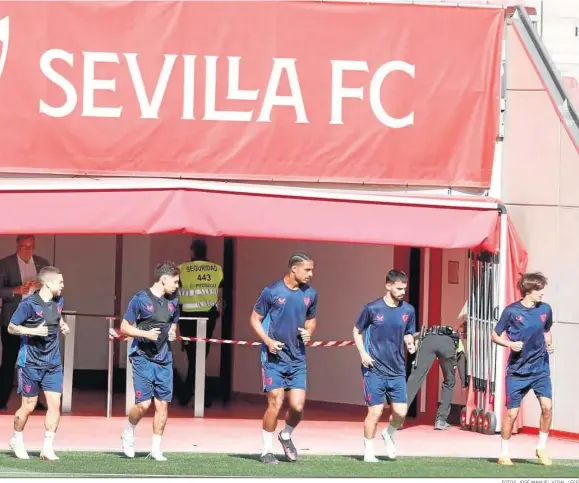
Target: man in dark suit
[{"x": 17, "y": 281}]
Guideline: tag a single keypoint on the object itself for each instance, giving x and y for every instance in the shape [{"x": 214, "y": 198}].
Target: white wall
[
  {"x": 87, "y": 264},
  {"x": 346, "y": 277},
  {"x": 545, "y": 211}
]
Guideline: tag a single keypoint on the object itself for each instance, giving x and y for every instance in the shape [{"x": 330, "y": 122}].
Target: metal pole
[
  {"x": 500, "y": 361},
  {"x": 542, "y": 22},
  {"x": 68, "y": 369},
  {"x": 484, "y": 332},
  {"x": 129, "y": 387},
  {"x": 110, "y": 369},
  {"x": 487, "y": 334},
  {"x": 199, "y": 403},
  {"x": 425, "y": 311},
  {"x": 494, "y": 324},
  {"x": 477, "y": 330},
  {"x": 469, "y": 323}
]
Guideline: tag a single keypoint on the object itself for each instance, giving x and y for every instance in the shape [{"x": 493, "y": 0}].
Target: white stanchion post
[
  {"x": 425, "y": 303},
  {"x": 129, "y": 388},
  {"x": 110, "y": 369},
  {"x": 68, "y": 367},
  {"x": 500, "y": 362},
  {"x": 199, "y": 403}
]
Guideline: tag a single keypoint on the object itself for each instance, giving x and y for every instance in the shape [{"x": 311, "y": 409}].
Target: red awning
[
  {"x": 216, "y": 209},
  {"x": 245, "y": 215}
]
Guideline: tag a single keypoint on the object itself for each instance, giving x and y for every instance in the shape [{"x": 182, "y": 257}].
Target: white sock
[
  {"x": 504, "y": 447},
  {"x": 369, "y": 447},
  {"x": 130, "y": 429},
  {"x": 48, "y": 439},
  {"x": 390, "y": 430},
  {"x": 18, "y": 435},
  {"x": 542, "y": 440},
  {"x": 156, "y": 443},
  {"x": 266, "y": 442},
  {"x": 286, "y": 433}
]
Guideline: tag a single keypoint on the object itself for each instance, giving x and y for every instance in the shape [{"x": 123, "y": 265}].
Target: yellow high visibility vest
[{"x": 200, "y": 282}]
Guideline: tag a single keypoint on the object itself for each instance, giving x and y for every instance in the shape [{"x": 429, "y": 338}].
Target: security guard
[
  {"x": 198, "y": 297},
  {"x": 443, "y": 343}
]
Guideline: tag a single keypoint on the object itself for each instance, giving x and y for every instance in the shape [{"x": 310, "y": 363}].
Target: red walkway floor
[{"x": 236, "y": 429}]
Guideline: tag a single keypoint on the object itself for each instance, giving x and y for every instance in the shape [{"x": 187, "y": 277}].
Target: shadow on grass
[{"x": 516, "y": 461}]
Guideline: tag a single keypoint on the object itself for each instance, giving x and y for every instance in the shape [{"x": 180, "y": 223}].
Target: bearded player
[{"x": 384, "y": 328}]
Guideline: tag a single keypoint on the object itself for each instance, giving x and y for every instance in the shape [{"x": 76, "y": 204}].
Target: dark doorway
[
  {"x": 226, "y": 363},
  {"x": 414, "y": 298}
]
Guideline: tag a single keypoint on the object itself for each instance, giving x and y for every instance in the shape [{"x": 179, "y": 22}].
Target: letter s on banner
[{"x": 60, "y": 81}]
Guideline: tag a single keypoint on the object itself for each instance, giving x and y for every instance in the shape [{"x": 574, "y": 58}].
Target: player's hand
[
  {"x": 274, "y": 346},
  {"x": 411, "y": 347},
  {"x": 305, "y": 334},
  {"x": 153, "y": 334},
  {"x": 367, "y": 361},
  {"x": 517, "y": 346},
  {"x": 550, "y": 348},
  {"x": 29, "y": 287},
  {"x": 172, "y": 335},
  {"x": 40, "y": 331},
  {"x": 21, "y": 290},
  {"x": 64, "y": 328}
]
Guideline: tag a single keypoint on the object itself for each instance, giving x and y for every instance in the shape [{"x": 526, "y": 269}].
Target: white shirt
[{"x": 27, "y": 271}]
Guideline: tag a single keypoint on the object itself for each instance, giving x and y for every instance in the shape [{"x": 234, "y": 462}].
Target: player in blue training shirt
[
  {"x": 384, "y": 327},
  {"x": 525, "y": 328},
  {"x": 38, "y": 321},
  {"x": 151, "y": 319},
  {"x": 284, "y": 318}
]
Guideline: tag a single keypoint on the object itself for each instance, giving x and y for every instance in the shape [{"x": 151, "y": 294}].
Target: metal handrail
[
  {"x": 550, "y": 67},
  {"x": 81, "y": 314}
]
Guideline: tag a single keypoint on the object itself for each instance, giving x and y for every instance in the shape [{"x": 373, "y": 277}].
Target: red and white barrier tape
[{"x": 113, "y": 334}]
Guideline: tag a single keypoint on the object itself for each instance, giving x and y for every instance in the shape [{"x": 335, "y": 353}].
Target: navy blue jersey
[
  {"x": 148, "y": 311},
  {"x": 384, "y": 328},
  {"x": 285, "y": 311},
  {"x": 527, "y": 325},
  {"x": 35, "y": 351}
]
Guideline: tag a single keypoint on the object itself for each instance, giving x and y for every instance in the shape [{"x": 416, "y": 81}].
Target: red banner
[{"x": 251, "y": 90}]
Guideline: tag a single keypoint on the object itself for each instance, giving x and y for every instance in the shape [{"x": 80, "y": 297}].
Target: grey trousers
[{"x": 439, "y": 347}]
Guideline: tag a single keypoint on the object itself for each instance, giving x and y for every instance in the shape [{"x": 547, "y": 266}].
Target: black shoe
[
  {"x": 288, "y": 448},
  {"x": 441, "y": 425},
  {"x": 268, "y": 459}
]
